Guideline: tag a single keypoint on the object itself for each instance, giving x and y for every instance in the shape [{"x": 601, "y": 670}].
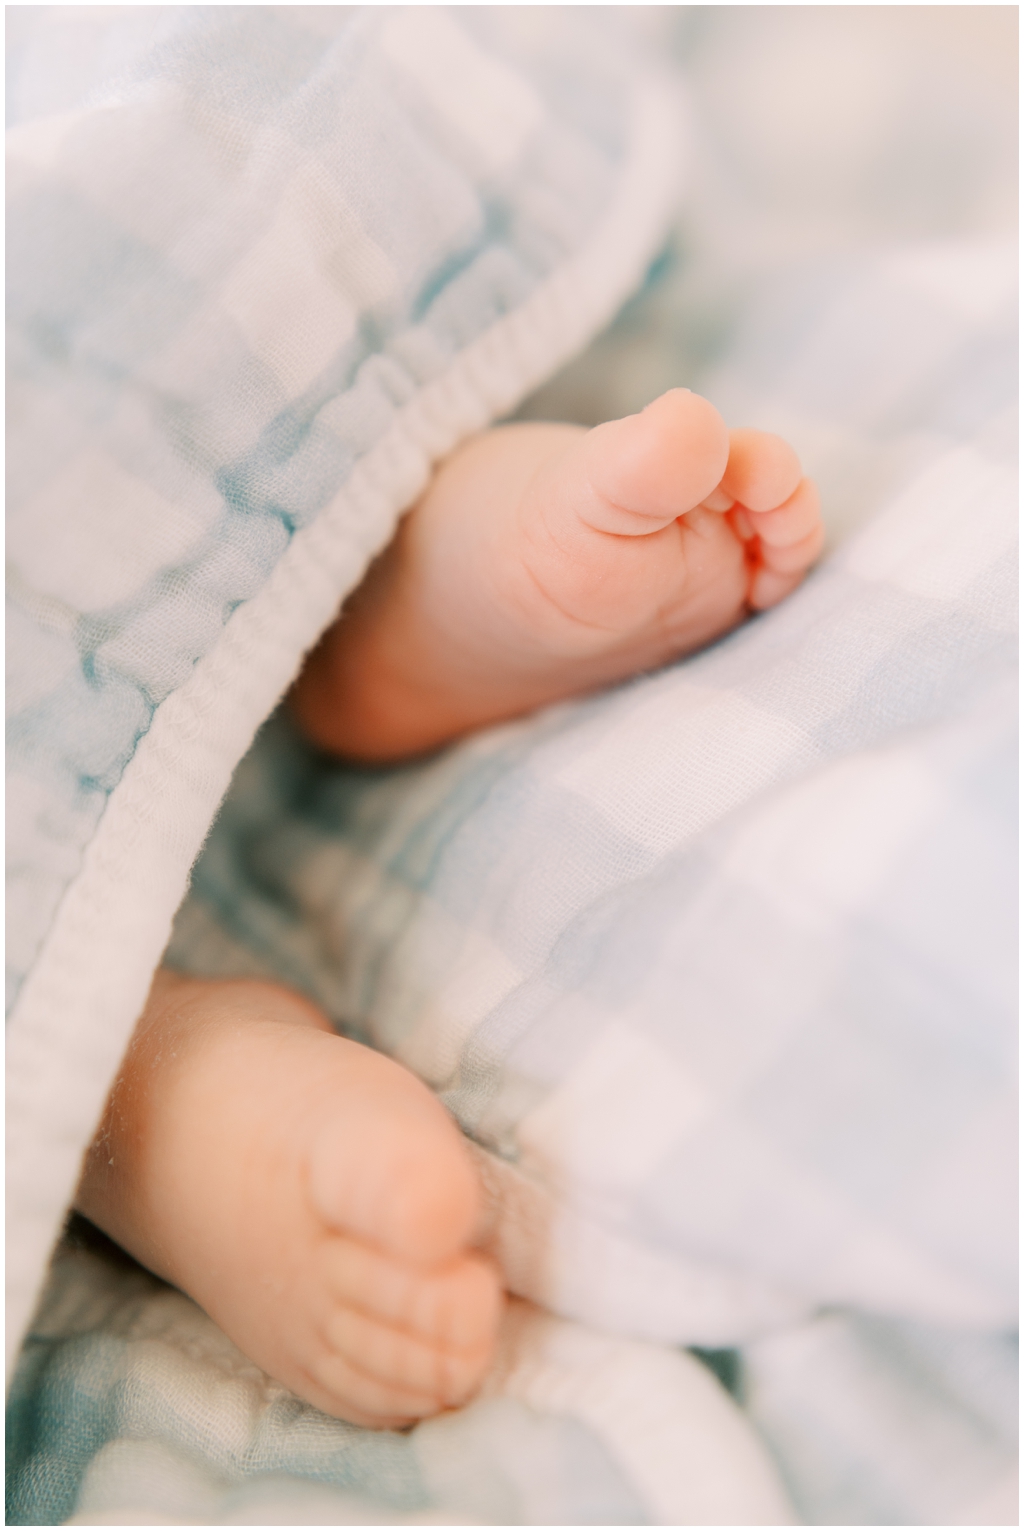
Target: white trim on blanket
[{"x": 71, "y": 1023}]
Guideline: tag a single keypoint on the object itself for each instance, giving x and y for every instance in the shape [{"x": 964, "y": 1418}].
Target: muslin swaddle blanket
[
  {"x": 714, "y": 971},
  {"x": 261, "y": 276}
]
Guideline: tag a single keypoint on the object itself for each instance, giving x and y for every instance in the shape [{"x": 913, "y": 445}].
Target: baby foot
[
  {"x": 545, "y": 561},
  {"x": 311, "y": 1195}
]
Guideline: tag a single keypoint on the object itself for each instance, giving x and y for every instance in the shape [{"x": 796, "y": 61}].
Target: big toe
[
  {"x": 429, "y": 1199},
  {"x": 391, "y": 1168},
  {"x": 648, "y": 469}
]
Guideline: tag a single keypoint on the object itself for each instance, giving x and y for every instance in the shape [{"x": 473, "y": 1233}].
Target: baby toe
[
  {"x": 793, "y": 557},
  {"x": 461, "y": 1306},
  {"x": 762, "y": 471},
  {"x": 789, "y": 539},
  {"x": 639, "y": 473},
  {"x": 416, "y": 1195},
  {"x": 371, "y": 1282},
  {"x": 396, "y": 1359},
  {"x": 767, "y": 588},
  {"x": 457, "y": 1306},
  {"x": 385, "y": 1353},
  {"x": 791, "y": 522},
  {"x": 342, "y": 1389}
]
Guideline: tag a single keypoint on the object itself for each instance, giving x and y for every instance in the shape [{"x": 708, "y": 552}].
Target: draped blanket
[{"x": 714, "y": 971}]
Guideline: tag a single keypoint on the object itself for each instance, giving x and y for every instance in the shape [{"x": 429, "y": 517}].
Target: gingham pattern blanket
[
  {"x": 265, "y": 267},
  {"x": 719, "y": 970},
  {"x": 716, "y": 971}
]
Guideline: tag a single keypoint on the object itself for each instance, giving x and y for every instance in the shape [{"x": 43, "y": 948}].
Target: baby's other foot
[
  {"x": 311, "y": 1195},
  {"x": 545, "y": 561}
]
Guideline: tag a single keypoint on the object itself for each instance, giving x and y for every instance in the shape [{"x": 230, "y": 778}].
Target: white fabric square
[
  {"x": 95, "y": 533},
  {"x": 494, "y": 109},
  {"x": 290, "y": 314},
  {"x": 480, "y": 978},
  {"x": 731, "y": 745},
  {"x": 822, "y": 848},
  {"x": 951, "y": 524},
  {"x": 619, "y": 1111}
]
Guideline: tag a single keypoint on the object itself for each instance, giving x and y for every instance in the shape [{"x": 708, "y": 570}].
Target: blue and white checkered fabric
[
  {"x": 719, "y": 969},
  {"x": 266, "y": 265},
  {"x": 234, "y": 255},
  {"x": 716, "y": 970},
  {"x": 725, "y": 958},
  {"x": 130, "y": 1407}
]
